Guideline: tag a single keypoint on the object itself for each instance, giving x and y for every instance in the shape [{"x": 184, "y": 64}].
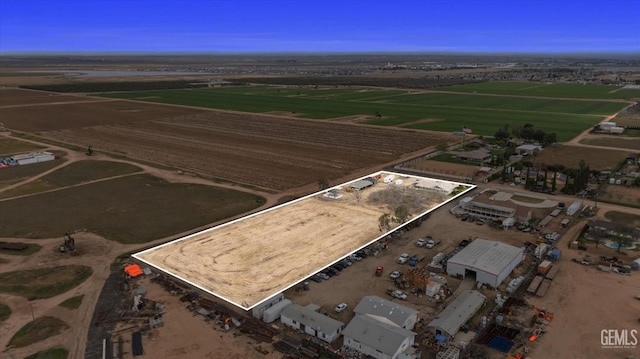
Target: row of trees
[{"x": 528, "y": 133}]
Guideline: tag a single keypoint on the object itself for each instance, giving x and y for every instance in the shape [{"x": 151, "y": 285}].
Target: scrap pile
[{"x": 258, "y": 330}]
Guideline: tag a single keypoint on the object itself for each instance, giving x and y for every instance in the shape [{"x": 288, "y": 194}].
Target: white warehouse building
[{"x": 490, "y": 261}]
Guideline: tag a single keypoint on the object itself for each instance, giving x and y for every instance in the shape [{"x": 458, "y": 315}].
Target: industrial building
[
  {"x": 490, "y": 261},
  {"x": 377, "y": 339},
  {"x": 308, "y": 320},
  {"x": 381, "y": 328},
  {"x": 388, "y": 311},
  {"x": 493, "y": 205},
  {"x": 456, "y": 314}
]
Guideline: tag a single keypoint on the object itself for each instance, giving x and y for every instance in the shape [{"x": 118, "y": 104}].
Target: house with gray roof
[
  {"x": 377, "y": 339},
  {"x": 308, "y": 320},
  {"x": 456, "y": 314},
  {"x": 387, "y": 311}
]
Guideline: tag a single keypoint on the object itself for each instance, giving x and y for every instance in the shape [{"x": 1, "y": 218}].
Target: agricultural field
[
  {"x": 265, "y": 151},
  {"x": 75, "y": 173},
  {"x": 130, "y": 209},
  {"x": 56, "y": 116},
  {"x": 570, "y": 156},
  {"x": 622, "y": 142},
  {"x": 536, "y": 89},
  {"x": 428, "y": 110},
  {"x": 9, "y": 146}
]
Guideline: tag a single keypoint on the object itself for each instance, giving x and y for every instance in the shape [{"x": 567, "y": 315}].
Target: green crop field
[
  {"x": 546, "y": 90},
  {"x": 445, "y": 111}
]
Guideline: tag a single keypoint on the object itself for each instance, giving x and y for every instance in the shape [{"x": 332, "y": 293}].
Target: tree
[
  {"x": 502, "y": 134},
  {"x": 401, "y": 214},
  {"x": 384, "y": 222},
  {"x": 623, "y": 241}
]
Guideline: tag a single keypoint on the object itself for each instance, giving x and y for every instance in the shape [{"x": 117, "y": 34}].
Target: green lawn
[
  {"x": 484, "y": 114},
  {"x": 131, "y": 209}
]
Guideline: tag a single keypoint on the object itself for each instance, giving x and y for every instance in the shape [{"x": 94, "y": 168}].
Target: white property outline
[{"x": 159, "y": 265}]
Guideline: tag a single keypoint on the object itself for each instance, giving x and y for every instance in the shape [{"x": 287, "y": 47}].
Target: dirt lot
[
  {"x": 252, "y": 259},
  {"x": 446, "y": 168},
  {"x": 569, "y": 156}
]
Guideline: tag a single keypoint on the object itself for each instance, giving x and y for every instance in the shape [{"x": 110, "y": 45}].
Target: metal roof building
[
  {"x": 311, "y": 322},
  {"x": 490, "y": 261},
  {"x": 377, "y": 339},
  {"x": 387, "y": 311},
  {"x": 453, "y": 317}
]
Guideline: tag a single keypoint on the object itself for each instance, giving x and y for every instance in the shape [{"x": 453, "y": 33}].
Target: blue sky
[{"x": 319, "y": 26}]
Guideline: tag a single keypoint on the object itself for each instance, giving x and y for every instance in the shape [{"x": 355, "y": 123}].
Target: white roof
[
  {"x": 380, "y": 336},
  {"x": 381, "y": 308},
  {"x": 458, "y": 312},
  {"x": 487, "y": 256}
]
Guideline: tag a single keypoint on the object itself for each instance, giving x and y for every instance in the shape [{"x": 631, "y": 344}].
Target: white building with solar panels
[{"x": 491, "y": 262}]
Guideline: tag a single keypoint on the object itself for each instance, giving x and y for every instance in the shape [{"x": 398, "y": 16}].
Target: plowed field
[{"x": 266, "y": 151}]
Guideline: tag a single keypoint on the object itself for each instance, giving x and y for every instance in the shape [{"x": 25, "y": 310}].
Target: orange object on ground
[
  {"x": 533, "y": 338},
  {"x": 133, "y": 270}
]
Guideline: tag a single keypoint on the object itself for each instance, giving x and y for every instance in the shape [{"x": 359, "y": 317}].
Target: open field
[
  {"x": 43, "y": 282},
  {"x": 266, "y": 151},
  {"x": 570, "y": 156},
  {"x": 10, "y": 146},
  {"x": 17, "y": 97},
  {"x": 484, "y": 114},
  {"x": 74, "y": 174},
  {"x": 251, "y": 259},
  {"x": 131, "y": 209},
  {"x": 546, "y": 90},
  {"x": 622, "y": 142},
  {"x": 53, "y": 353},
  {"x": 48, "y": 117},
  {"x": 39, "y": 329},
  {"x": 9, "y": 176}
]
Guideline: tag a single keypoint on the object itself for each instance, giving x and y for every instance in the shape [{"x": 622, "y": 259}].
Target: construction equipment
[{"x": 69, "y": 245}]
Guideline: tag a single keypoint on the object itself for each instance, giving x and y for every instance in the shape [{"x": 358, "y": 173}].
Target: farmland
[
  {"x": 570, "y": 156},
  {"x": 442, "y": 111},
  {"x": 545, "y": 90},
  {"x": 130, "y": 209},
  {"x": 265, "y": 151}
]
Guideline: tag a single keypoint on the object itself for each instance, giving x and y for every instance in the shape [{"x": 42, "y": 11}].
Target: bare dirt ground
[
  {"x": 598, "y": 158},
  {"x": 252, "y": 259}
]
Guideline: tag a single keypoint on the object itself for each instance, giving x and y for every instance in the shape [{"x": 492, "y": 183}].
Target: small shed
[{"x": 635, "y": 265}]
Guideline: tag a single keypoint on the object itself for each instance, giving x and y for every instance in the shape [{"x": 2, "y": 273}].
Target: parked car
[
  {"x": 404, "y": 257},
  {"x": 395, "y": 274},
  {"x": 420, "y": 242},
  {"x": 585, "y": 262},
  {"x": 379, "y": 270},
  {"x": 399, "y": 294},
  {"x": 340, "y": 307},
  {"x": 322, "y": 275},
  {"x": 430, "y": 243}
]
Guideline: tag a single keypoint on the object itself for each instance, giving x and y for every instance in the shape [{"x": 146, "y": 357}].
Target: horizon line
[{"x": 223, "y": 53}]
